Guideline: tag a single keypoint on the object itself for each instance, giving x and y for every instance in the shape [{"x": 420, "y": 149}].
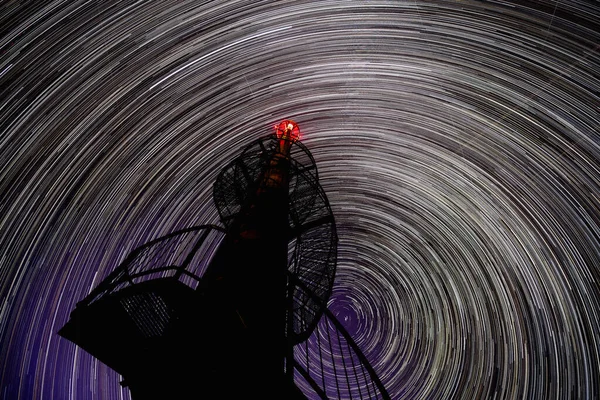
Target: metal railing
[{"x": 182, "y": 255}]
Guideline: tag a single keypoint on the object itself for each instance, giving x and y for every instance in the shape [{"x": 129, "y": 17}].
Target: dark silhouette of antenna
[{"x": 238, "y": 311}]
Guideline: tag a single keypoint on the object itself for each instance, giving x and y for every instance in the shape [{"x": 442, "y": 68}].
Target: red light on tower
[{"x": 288, "y": 130}]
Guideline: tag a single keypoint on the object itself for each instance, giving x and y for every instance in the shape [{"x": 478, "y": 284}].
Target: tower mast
[{"x": 248, "y": 277}]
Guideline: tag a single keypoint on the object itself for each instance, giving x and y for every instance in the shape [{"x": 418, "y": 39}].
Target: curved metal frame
[{"x": 350, "y": 342}]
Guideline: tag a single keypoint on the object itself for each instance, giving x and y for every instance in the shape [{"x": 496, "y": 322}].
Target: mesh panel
[{"x": 149, "y": 312}]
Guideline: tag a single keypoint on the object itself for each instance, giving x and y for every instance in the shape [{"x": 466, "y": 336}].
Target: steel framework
[{"x": 244, "y": 303}]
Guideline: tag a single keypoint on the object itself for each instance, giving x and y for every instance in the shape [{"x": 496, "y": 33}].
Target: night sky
[{"x": 457, "y": 142}]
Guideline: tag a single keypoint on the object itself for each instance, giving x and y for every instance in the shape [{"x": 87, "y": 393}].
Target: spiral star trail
[{"x": 457, "y": 142}]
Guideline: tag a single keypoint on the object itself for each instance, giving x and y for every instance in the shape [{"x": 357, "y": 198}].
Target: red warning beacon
[{"x": 288, "y": 130}]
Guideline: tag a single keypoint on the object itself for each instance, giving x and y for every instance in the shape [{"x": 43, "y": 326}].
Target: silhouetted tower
[{"x": 217, "y": 312}]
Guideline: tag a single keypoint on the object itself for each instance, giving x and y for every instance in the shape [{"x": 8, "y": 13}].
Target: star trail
[{"x": 457, "y": 142}]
